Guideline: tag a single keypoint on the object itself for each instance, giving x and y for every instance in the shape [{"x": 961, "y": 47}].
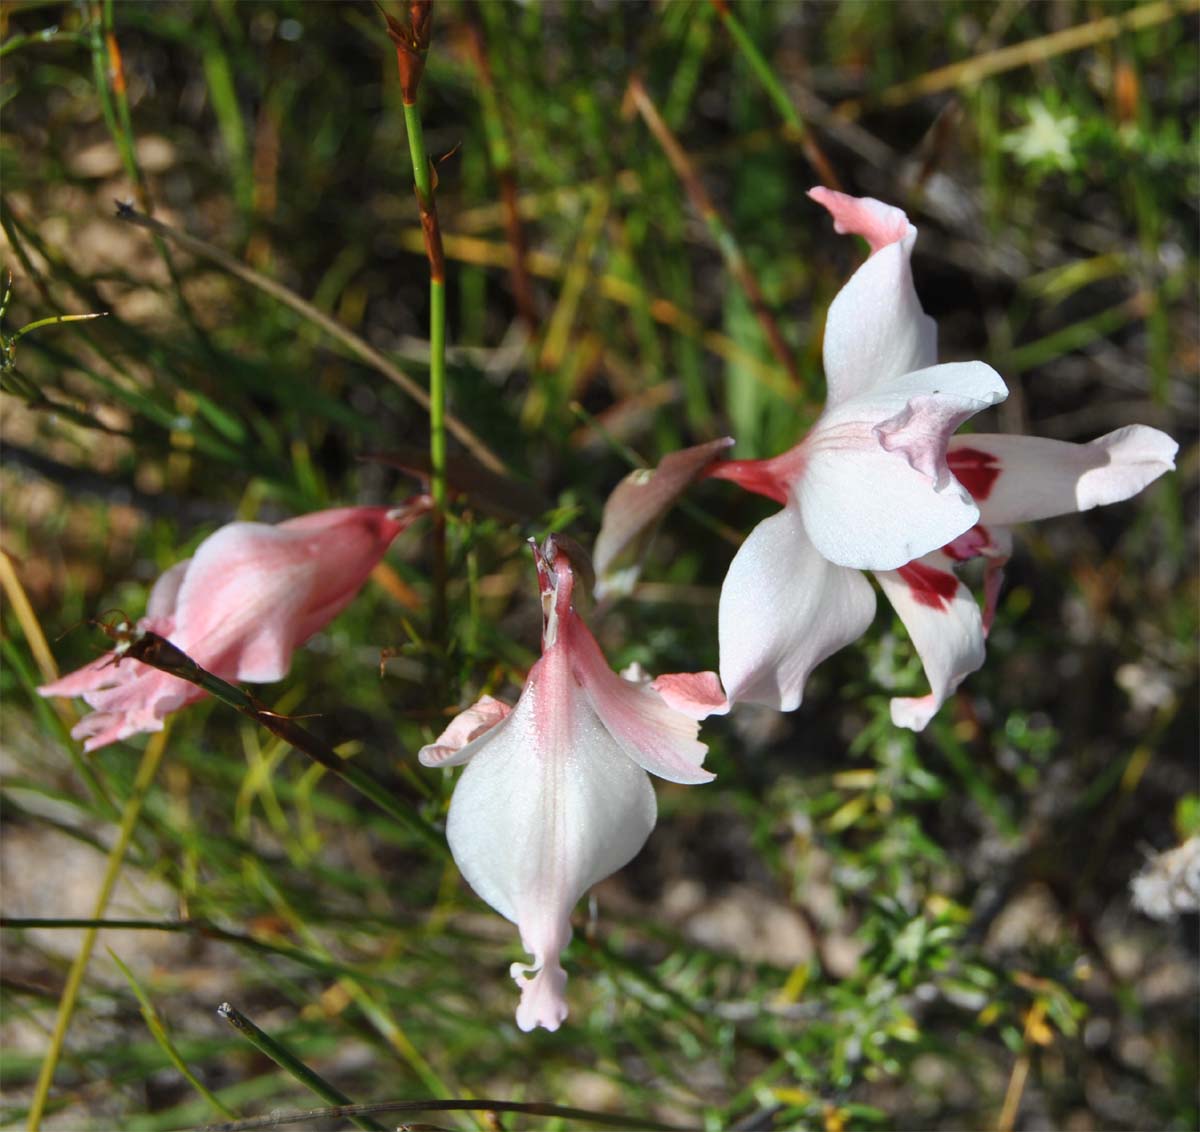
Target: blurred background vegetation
[{"x": 854, "y": 927}]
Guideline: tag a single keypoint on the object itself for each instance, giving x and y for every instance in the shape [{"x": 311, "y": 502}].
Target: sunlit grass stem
[{"x": 147, "y": 769}]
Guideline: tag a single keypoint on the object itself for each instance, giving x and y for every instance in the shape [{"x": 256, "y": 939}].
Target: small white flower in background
[
  {"x": 1169, "y": 885},
  {"x": 554, "y": 795},
  {"x": 1046, "y": 139}
]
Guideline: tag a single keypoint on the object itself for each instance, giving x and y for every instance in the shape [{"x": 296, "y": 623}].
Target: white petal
[
  {"x": 876, "y": 329},
  {"x": 876, "y": 491},
  {"x": 1016, "y": 479},
  {"x": 946, "y": 628},
  {"x": 547, "y": 806},
  {"x": 783, "y": 610}
]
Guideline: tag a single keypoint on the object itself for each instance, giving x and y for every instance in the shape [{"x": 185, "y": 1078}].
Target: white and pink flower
[
  {"x": 555, "y": 793},
  {"x": 240, "y": 606},
  {"x": 879, "y": 484}
]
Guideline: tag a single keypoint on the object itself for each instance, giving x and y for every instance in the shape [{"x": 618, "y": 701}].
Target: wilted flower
[
  {"x": 250, "y": 595},
  {"x": 555, "y": 795}
]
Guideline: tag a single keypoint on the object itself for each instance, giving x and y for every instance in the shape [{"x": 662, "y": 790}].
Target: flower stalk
[{"x": 412, "y": 44}]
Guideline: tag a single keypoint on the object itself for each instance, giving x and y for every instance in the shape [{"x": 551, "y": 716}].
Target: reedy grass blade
[
  {"x": 147, "y": 769},
  {"x": 159, "y": 1032},
  {"x": 972, "y": 71},
  {"x": 529, "y": 1108},
  {"x": 159, "y": 653},
  {"x": 288, "y": 1061}
]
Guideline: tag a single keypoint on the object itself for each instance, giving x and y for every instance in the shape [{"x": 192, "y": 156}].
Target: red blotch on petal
[
  {"x": 758, "y": 476},
  {"x": 977, "y": 471},
  {"x": 930, "y": 587}
]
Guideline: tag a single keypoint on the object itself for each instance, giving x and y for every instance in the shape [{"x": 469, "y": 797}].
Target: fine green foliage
[{"x": 854, "y": 926}]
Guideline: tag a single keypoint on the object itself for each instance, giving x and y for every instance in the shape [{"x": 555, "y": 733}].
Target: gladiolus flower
[
  {"x": 240, "y": 606},
  {"x": 878, "y": 477},
  {"x": 555, "y": 795},
  {"x": 869, "y": 487}
]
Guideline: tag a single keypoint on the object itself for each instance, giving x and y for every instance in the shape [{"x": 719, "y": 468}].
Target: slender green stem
[
  {"x": 158, "y": 1031},
  {"x": 146, "y": 772},
  {"x": 416, "y": 148},
  {"x": 427, "y": 202},
  {"x": 285, "y": 1059},
  {"x": 774, "y": 88}
]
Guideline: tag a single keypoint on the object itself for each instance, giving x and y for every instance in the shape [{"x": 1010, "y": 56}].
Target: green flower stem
[
  {"x": 427, "y": 202},
  {"x": 146, "y": 772},
  {"x": 285, "y": 1059}
]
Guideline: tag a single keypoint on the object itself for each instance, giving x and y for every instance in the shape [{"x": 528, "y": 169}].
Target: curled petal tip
[
  {"x": 543, "y": 997},
  {"x": 696, "y": 694},
  {"x": 463, "y": 730}
]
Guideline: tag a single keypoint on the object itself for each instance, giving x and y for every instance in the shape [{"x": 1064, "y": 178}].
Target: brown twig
[
  {"x": 501, "y": 156},
  {"x": 638, "y": 96}
]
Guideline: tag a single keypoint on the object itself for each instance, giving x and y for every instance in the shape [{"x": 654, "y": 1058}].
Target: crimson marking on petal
[
  {"x": 929, "y": 587},
  {"x": 757, "y": 476},
  {"x": 977, "y": 471}
]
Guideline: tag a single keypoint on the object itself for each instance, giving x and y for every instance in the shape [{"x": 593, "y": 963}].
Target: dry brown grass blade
[
  {"x": 968, "y": 72},
  {"x": 685, "y": 169},
  {"x": 491, "y": 253},
  {"x": 333, "y": 328}
]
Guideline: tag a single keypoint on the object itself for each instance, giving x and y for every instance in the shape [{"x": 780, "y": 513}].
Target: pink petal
[
  {"x": 697, "y": 694},
  {"x": 878, "y": 223},
  {"x": 248, "y": 598},
  {"x": 634, "y": 508},
  {"x": 138, "y": 698},
  {"x": 946, "y": 629},
  {"x": 784, "y": 608},
  {"x": 654, "y": 735},
  {"x": 1017, "y": 479},
  {"x": 164, "y": 594},
  {"x": 98, "y": 673},
  {"x": 876, "y": 491},
  {"x": 548, "y": 805},
  {"x": 463, "y": 730},
  {"x": 875, "y": 329}
]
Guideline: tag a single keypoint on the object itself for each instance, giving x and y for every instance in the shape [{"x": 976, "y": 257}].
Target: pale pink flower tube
[{"x": 240, "y": 606}]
